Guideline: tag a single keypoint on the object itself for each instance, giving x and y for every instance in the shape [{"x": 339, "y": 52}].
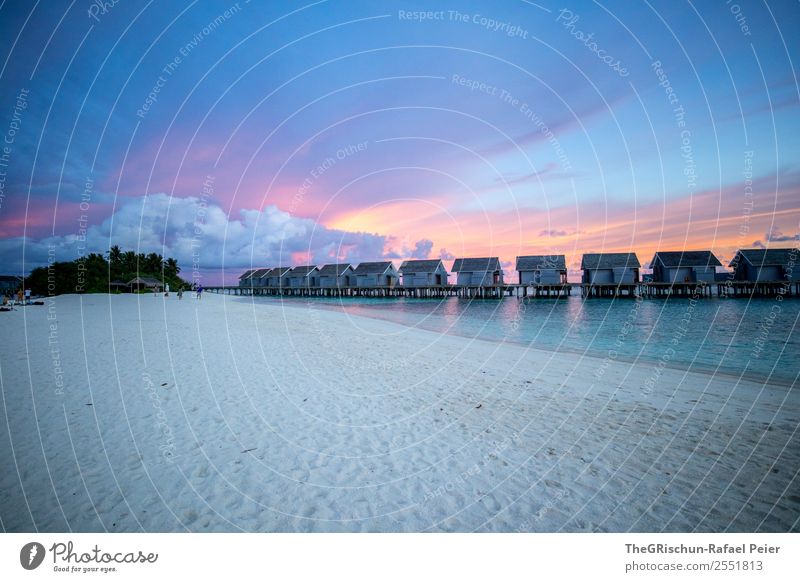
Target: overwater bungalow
[
  {"x": 278, "y": 277},
  {"x": 244, "y": 278},
  {"x": 684, "y": 267},
  {"x": 610, "y": 269},
  {"x": 264, "y": 279},
  {"x": 337, "y": 276},
  {"x": 423, "y": 273},
  {"x": 304, "y": 277},
  {"x": 254, "y": 278},
  {"x": 261, "y": 277},
  {"x": 542, "y": 270},
  {"x": 760, "y": 265},
  {"x": 479, "y": 272},
  {"x": 376, "y": 274}
]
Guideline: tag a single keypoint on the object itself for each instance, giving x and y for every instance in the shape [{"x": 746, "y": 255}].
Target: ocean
[{"x": 754, "y": 339}]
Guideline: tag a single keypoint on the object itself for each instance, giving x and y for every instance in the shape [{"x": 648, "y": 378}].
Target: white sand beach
[{"x": 135, "y": 413}]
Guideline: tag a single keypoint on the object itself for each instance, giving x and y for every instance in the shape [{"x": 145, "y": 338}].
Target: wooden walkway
[
  {"x": 739, "y": 289},
  {"x": 434, "y": 292},
  {"x": 699, "y": 289},
  {"x": 609, "y": 290},
  {"x": 758, "y": 288}
]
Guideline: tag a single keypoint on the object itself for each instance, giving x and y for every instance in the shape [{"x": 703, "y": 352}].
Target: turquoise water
[{"x": 738, "y": 337}]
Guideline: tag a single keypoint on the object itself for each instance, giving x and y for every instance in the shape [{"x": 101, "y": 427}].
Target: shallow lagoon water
[{"x": 755, "y": 338}]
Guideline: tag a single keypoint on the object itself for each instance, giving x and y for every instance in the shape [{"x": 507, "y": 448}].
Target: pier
[
  {"x": 732, "y": 289},
  {"x": 696, "y": 289},
  {"x": 609, "y": 290},
  {"x": 758, "y": 288},
  {"x": 432, "y": 292}
]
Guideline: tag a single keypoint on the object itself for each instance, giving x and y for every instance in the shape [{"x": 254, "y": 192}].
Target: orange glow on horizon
[{"x": 573, "y": 230}]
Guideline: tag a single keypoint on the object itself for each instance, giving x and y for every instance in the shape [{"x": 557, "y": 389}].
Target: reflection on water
[{"x": 732, "y": 336}]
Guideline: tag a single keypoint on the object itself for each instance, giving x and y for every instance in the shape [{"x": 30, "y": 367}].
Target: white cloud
[
  {"x": 422, "y": 249},
  {"x": 446, "y": 255},
  {"x": 189, "y": 229}
]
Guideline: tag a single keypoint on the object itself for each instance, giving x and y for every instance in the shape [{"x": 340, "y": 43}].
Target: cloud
[
  {"x": 775, "y": 235},
  {"x": 553, "y": 233},
  {"x": 446, "y": 255},
  {"x": 422, "y": 249},
  {"x": 200, "y": 234}
]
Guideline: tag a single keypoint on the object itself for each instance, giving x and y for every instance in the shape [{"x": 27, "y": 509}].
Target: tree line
[{"x": 94, "y": 273}]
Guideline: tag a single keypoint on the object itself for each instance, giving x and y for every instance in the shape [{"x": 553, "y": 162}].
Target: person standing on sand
[
  {"x": 199, "y": 291},
  {"x": 180, "y": 293},
  {"x": 166, "y": 290}
]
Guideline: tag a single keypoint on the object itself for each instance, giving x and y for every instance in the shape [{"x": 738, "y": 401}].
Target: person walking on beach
[
  {"x": 27, "y": 296},
  {"x": 166, "y": 290},
  {"x": 180, "y": 293},
  {"x": 199, "y": 291}
]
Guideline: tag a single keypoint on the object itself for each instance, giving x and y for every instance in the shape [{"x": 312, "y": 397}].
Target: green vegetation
[{"x": 94, "y": 273}]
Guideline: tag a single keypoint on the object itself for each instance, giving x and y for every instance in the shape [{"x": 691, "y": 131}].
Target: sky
[{"x": 232, "y": 135}]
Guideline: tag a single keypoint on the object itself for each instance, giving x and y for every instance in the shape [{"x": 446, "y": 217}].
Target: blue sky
[{"x": 499, "y": 130}]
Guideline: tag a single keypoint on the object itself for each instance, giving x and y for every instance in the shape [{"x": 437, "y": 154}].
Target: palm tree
[
  {"x": 141, "y": 264},
  {"x": 96, "y": 259},
  {"x": 115, "y": 256},
  {"x": 153, "y": 263},
  {"x": 171, "y": 267},
  {"x": 129, "y": 260}
]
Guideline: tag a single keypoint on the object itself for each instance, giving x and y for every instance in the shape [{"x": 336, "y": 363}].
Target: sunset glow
[{"x": 390, "y": 135}]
